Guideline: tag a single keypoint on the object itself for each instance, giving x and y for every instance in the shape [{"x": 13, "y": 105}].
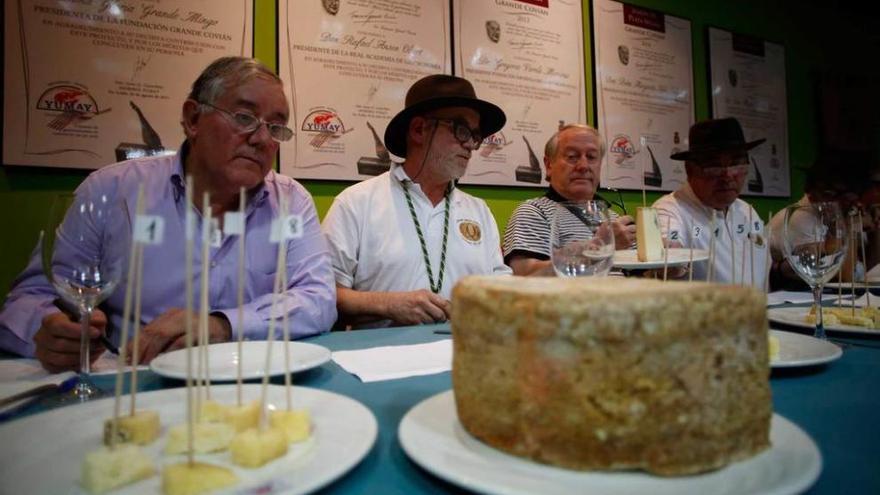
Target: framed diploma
[
  {"x": 89, "y": 83},
  {"x": 644, "y": 94},
  {"x": 348, "y": 65},
  {"x": 747, "y": 77},
  {"x": 525, "y": 56}
]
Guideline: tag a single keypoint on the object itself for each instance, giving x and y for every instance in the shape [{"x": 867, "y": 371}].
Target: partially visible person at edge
[
  {"x": 233, "y": 120},
  {"x": 838, "y": 176},
  {"x": 573, "y": 160},
  {"x": 717, "y": 165},
  {"x": 401, "y": 240}
]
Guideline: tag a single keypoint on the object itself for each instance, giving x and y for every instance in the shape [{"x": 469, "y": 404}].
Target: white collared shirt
[
  {"x": 740, "y": 241},
  {"x": 374, "y": 246}
]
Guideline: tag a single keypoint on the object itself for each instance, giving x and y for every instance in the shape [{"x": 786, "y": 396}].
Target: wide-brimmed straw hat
[
  {"x": 715, "y": 136},
  {"x": 440, "y": 91}
]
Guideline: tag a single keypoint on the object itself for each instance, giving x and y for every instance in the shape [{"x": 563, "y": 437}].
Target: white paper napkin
[
  {"x": 795, "y": 297},
  {"x": 392, "y": 362}
]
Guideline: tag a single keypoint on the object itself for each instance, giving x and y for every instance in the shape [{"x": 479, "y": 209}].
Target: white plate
[
  {"x": 43, "y": 453},
  {"x": 432, "y": 436},
  {"x": 847, "y": 286},
  {"x": 628, "y": 259},
  {"x": 795, "y": 317},
  {"x": 223, "y": 359},
  {"x": 802, "y": 350}
]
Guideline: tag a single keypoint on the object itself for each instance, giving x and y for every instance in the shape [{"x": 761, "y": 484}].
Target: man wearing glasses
[
  {"x": 234, "y": 118},
  {"x": 717, "y": 165},
  {"x": 573, "y": 161},
  {"x": 400, "y": 241}
]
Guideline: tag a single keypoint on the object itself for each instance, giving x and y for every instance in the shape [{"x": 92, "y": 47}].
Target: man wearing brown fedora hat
[
  {"x": 400, "y": 241},
  {"x": 717, "y": 165}
]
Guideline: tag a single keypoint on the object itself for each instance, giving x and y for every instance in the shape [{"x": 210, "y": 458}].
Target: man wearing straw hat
[
  {"x": 234, "y": 118},
  {"x": 400, "y": 241},
  {"x": 572, "y": 159},
  {"x": 717, "y": 165}
]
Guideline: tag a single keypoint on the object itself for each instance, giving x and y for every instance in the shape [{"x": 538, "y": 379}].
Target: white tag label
[
  {"x": 673, "y": 235},
  {"x": 233, "y": 223},
  {"x": 289, "y": 227},
  {"x": 149, "y": 229},
  {"x": 698, "y": 231},
  {"x": 740, "y": 229},
  {"x": 757, "y": 226},
  {"x": 216, "y": 233}
]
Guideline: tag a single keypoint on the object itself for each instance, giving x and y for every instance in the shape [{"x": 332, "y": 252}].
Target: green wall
[{"x": 818, "y": 39}]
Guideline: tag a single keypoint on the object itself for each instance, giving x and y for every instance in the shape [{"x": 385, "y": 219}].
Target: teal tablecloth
[{"x": 837, "y": 404}]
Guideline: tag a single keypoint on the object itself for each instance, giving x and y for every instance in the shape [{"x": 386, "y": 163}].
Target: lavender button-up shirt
[{"x": 309, "y": 297}]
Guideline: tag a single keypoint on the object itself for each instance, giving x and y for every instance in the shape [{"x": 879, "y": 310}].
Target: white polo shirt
[
  {"x": 374, "y": 246},
  {"x": 738, "y": 242}
]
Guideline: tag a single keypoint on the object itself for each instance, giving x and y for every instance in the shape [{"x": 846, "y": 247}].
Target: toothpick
[
  {"x": 139, "y": 275},
  {"x": 286, "y": 333},
  {"x": 203, "y": 295},
  {"x": 864, "y": 260},
  {"x": 732, "y": 231},
  {"x": 123, "y": 344},
  {"x": 242, "y": 195},
  {"x": 188, "y": 323},
  {"x": 768, "y": 259},
  {"x": 751, "y": 252},
  {"x": 666, "y": 249},
  {"x": 691, "y": 240},
  {"x": 711, "y": 269},
  {"x": 279, "y": 262},
  {"x": 852, "y": 279},
  {"x": 644, "y": 193}
]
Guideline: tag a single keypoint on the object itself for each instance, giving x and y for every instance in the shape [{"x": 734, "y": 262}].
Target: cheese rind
[
  {"x": 649, "y": 241},
  {"x": 612, "y": 373}
]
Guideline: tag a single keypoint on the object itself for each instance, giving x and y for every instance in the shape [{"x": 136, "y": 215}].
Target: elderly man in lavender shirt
[{"x": 233, "y": 119}]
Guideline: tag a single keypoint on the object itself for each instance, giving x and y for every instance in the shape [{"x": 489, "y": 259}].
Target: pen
[{"x": 63, "y": 306}]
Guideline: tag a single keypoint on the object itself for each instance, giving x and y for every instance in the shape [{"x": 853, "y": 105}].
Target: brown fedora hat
[
  {"x": 714, "y": 136},
  {"x": 440, "y": 91}
]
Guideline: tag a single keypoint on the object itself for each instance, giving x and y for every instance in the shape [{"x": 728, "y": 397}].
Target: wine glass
[
  {"x": 814, "y": 241},
  {"x": 581, "y": 239},
  {"x": 83, "y": 249}
]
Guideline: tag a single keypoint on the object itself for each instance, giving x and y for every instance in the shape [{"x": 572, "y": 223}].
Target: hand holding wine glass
[
  {"x": 83, "y": 248},
  {"x": 815, "y": 242},
  {"x": 581, "y": 239}
]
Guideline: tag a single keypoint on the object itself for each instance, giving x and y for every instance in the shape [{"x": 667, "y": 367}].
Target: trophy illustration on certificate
[
  {"x": 368, "y": 165},
  {"x": 654, "y": 177},
  {"x": 152, "y": 144},
  {"x": 532, "y": 173},
  {"x": 756, "y": 184}
]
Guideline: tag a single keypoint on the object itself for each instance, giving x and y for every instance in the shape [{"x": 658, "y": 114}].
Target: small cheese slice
[
  {"x": 141, "y": 428},
  {"x": 295, "y": 424},
  {"x": 190, "y": 479},
  {"x": 105, "y": 469},
  {"x": 255, "y": 447},
  {"x": 649, "y": 242}
]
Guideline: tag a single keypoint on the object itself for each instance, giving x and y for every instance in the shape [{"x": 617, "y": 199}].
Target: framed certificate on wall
[
  {"x": 644, "y": 94},
  {"x": 747, "y": 77}
]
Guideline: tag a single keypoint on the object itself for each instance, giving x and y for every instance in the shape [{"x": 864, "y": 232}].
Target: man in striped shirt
[{"x": 572, "y": 158}]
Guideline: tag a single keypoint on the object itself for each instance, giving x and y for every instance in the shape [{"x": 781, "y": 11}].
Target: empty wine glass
[
  {"x": 581, "y": 239},
  {"x": 83, "y": 249},
  {"x": 814, "y": 241}
]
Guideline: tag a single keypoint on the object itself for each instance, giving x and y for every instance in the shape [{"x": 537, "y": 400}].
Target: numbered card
[
  {"x": 286, "y": 228},
  {"x": 697, "y": 231},
  {"x": 674, "y": 236},
  {"x": 233, "y": 223},
  {"x": 740, "y": 229},
  {"x": 216, "y": 233},
  {"x": 757, "y": 226},
  {"x": 149, "y": 229}
]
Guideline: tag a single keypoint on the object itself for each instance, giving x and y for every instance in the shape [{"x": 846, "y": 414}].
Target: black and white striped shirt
[{"x": 528, "y": 230}]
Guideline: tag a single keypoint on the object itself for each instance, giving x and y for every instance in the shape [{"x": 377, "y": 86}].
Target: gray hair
[
  {"x": 224, "y": 73},
  {"x": 550, "y": 148}
]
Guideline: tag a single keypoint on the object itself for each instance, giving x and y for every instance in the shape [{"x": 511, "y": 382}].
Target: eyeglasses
[
  {"x": 247, "y": 123},
  {"x": 462, "y": 132}
]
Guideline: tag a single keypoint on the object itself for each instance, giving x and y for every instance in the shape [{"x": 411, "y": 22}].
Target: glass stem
[
  {"x": 84, "y": 361},
  {"x": 817, "y": 300}
]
